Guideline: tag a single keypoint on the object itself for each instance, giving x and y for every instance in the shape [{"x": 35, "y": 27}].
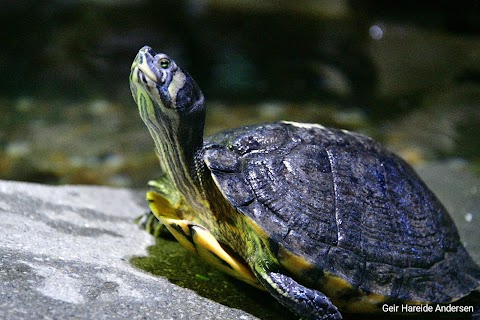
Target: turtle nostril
[{"x": 147, "y": 49}]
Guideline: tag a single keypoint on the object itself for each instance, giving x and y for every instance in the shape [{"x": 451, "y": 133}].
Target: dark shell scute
[
  {"x": 284, "y": 185},
  {"x": 276, "y": 226},
  {"x": 263, "y": 139},
  {"x": 376, "y": 201},
  {"x": 233, "y": 188},
  {"x": 382, "y": 279},
  {"x": 221, "y": 159},
  {"x": 419, "y": 285},
  {"x": 346, "y": 264}
]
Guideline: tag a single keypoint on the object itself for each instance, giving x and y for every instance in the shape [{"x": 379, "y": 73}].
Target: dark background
[{"x": 407, "y": 74}]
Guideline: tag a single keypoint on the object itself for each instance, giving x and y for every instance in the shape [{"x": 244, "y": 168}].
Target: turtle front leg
[
  {"x": 163, "y": 201},
  {"x": 303, "y": 301}
]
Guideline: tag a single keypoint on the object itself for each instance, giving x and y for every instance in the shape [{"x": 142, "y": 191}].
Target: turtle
[{"x": 328, "y": 221}]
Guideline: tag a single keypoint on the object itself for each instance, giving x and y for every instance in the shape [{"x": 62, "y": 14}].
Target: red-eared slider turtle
[{"x": 321, "y": 218}]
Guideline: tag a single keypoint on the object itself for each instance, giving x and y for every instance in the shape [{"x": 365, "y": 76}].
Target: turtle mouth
[
  {"x": 143, "y": 85},
  {"x": 144, "y": 67}
]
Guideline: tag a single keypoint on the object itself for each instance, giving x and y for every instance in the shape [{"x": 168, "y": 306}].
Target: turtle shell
[{"x": 345, "y": 204}]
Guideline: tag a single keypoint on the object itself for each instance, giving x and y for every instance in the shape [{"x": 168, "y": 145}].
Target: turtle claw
[{"x": 148, "y": 222}]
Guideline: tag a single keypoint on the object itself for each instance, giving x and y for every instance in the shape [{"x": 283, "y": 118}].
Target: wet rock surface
[{"x": 65, "y": 254}]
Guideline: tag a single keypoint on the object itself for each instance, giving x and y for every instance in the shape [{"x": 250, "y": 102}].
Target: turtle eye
[{"x": 164, "y": 63}]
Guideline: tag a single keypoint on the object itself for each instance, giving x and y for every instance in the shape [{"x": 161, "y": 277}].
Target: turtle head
[
  {"x": 164, "y": 86},
  {"x": 172, "y": 106},
  {"x": 166, "y": 95}
]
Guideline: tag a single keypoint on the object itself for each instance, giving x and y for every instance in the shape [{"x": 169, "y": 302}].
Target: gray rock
[{"x": 66, "y": 252}]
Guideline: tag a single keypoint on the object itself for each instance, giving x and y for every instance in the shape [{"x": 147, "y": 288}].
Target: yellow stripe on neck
[{"x": 177, "y": 83}]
